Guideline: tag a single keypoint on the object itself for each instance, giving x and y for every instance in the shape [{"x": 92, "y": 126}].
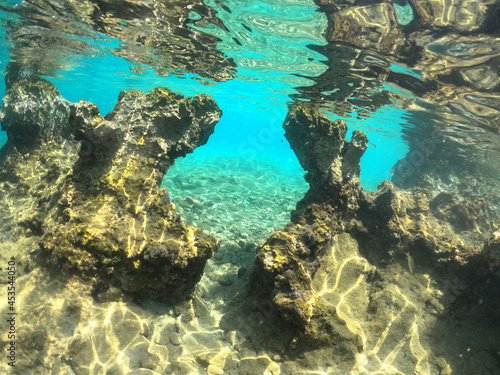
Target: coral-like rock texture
[
  {"x": 106, "y": 219},
  {"x": 365, "y": 275},
  {"x": 289, "y": 260},
  {"x": 25, "y": 108}
]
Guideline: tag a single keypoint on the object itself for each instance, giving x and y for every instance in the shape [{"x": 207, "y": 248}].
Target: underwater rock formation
[
  {"x": 365, "y": 273},
  {"x": 39, "y": 154},
  {"x": 491, "y": 252},
  {"x": 442, "y": 54},
  {"x": 288, "y": 260},
  {"x": 92, "y": 195},
  {"x": 33, "y": 112},
  {"x": 431, "y": 229}
]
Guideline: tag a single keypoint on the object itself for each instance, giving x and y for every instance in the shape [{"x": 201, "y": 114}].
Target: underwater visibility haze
[{"x": 250, "y": 187}]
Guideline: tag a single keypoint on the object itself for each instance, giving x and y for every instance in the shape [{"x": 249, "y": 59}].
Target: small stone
[
  {"x": 225, "y": 280},
  {"x": 230, "y": 246},
  {"x": 198, "y": 205},
  {"x": 446, "y": 371},
  {"x": 203, "y": 360},
  {"x": 176, "y": 339},
  {"x": 250, "y": 246},
  {"x": 140, "y": 357},
  {"x": 113, "y": 294},
  {"x": 218, "y": 255},
  {"x": 178, "y": 368},
  {"x": 214, "y": 370},
  {"x": 242, "y": 271},
  {"x": 441, "y": 362}
]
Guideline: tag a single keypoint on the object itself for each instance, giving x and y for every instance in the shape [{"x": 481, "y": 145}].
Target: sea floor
[{"x": 239, "y": 201}]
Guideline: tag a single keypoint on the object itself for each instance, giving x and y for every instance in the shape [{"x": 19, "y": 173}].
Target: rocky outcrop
[
  {"x": 441, "y": 54},
  {"x": 293, "y": 262},
  {"x": 491, "y": 253},
  {"x": 33, "y": 112},
  {"x": 90, "y": 185},
  {"x": 363, "y": 273},
  {"x": 39, "y": 154}
]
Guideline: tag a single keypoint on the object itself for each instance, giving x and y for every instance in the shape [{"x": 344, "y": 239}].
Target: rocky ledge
[{"x": 90, "y": 185}]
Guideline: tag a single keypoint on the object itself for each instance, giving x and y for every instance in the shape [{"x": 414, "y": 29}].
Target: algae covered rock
[
  {"x": 86, "y": 188},
  {"x": 115, "y": 224},
  {"x": 331, "y": 162},
  {"x": 491, "y": 253},
  {"x": 33, "y": 110},
  {"x": 290, "y": 265},
  {"x": 39, "y": 153},
  {"x": 366, "y": 277},
  {"x": 321, "y": 147}
]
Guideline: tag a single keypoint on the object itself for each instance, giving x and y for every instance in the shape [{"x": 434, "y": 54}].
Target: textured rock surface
[
  {"x": 288, "y": 261},
  {"x": 115, "y": 223},
  {"x": 33, "y": 112},
  {"x": 91, "y": 196},
  {"x": 39, "y": 154},
  {"x": 364, "y": 277}
]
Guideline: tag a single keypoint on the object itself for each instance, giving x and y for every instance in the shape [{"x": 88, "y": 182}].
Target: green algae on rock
[
  {"x": 288, "y": 260},
  {"x": 106, "y": 219},
  {"x": 115, "y": 223},
  {"x": 339, "y": 276}
]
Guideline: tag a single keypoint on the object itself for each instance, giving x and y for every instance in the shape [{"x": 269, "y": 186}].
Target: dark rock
[
  {"x": 40, "y": 152},
  {"x": 332, "y": 163},
  {"x": 491, "y": 254},
  {"x": 33, "y": 112},
  {"x": 103, "y": 216},
  {"x": 289, "y": 259},
  {"x": 226, "y": 280},
  {"x": 242, "y": 271},
  {"x": 112, "y": 294},
  {"x": 116, "y": 224},
  {"x": 327, "y": 273}
]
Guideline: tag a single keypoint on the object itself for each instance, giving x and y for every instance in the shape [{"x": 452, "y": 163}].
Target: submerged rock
[
  {"x": 361, "y": 275},
  {"x": 106, "y": 219},
  {"x": 293, "y": 264},
  {"x": 33, "y": 112}
]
